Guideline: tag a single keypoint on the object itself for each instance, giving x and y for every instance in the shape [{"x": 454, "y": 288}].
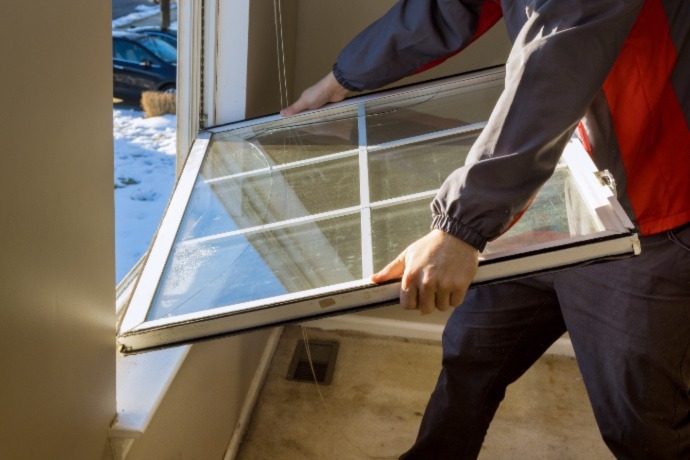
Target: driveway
[{"x": 124, "y": 7}]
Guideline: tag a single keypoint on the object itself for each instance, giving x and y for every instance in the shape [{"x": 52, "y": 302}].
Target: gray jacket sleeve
[
  {"x": 562, "y": 53},
  {"x": 411, "y": 35}
]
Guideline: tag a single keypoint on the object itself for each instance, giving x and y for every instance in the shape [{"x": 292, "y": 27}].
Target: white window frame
[{"x": 137, "y": 334}]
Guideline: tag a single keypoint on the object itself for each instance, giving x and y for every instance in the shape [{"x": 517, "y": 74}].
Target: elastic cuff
[
  {"x": 459, "y": 230},
  {"x": 338, "y": 74}
]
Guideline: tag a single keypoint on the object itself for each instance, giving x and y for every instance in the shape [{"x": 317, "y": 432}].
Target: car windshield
[{"x": 160, "y": 48}]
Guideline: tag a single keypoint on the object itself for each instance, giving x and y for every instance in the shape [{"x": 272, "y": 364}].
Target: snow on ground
[
  {"x": 144, "y": 179},
  {"x": 141, "y": 14}
]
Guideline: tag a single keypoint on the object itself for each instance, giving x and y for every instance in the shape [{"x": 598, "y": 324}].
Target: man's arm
[
  {"x": 558, "y": 64},
  {"x": 560, "y": 59},
  {"x": 412, "y": 36}
]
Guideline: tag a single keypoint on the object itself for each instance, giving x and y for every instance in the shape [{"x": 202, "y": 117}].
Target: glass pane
[
  {"x": 214, "y": 272},
  {"x": 394, "y": 227},
  {"x": 417, "y": 167},
  {"x": 231, "y": 203},
  {"x": 414, "y": 116},
  {"x": 309, "y": 141},
  {"x": 556, "y": 213},
  {"x": 271, "y": 144}
]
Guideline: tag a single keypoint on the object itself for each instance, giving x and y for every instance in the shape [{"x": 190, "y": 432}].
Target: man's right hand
[
  {"x": 435, "y": 272},
  {"x": 326, "y": 90}
]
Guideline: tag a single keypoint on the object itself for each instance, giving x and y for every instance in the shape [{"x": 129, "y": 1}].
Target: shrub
[{"x": 156, "y": 103}]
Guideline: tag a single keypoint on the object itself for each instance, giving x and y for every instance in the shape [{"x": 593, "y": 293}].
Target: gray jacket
[{"x": 562, "y": 52}]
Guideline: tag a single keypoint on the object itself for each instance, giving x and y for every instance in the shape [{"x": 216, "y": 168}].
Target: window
[
  {"x": 160, "y": 47},
  {"x": 129, "y": 51},
  {"x": 277, "y": 220}
]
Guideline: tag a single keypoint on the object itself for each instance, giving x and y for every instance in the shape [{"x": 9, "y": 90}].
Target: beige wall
[
  {"x": 202, "y": 407},
  {"x": 57, "y": 390},
  {"x": 263, "y": 75},
  {"x": 314, "y": 32},
  {"x": 325, "y": 27}
]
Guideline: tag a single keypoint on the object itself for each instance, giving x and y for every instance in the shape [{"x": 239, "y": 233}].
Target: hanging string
[
  {"x": 331, "y": 415},
  {"x": 280, "y": 52}
]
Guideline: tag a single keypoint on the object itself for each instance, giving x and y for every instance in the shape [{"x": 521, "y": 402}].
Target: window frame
[{"x": 137, "y": 334}]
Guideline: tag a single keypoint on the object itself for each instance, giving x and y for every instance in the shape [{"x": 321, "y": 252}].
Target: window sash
[{"x": 137, "y": 333}]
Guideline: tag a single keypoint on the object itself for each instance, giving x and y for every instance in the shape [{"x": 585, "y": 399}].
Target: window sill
[{"x": 142, "y": 380}]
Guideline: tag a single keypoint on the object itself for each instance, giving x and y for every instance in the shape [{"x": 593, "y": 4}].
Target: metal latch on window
[{"x": 606, "y": 178}]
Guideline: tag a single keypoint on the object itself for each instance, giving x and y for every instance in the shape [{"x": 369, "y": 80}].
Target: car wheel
[{"x": 169, "y": 89}]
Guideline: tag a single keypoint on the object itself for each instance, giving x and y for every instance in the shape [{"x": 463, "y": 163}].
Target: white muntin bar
[
  {"x": 404, "y": 199},
  {"x": 466, "y": 129},
  {"x": 274, "y": 225},
  {"x": 310, "y": 218},
  {"x": 367, "y": 246},
  {"x": 278, "y": 168}
]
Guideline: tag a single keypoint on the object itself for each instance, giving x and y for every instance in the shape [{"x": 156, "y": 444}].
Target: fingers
[
  {"x": 326, "y": 90},
  {"x": 391, "y": 271},
  {"x": 442, "y": 299},
  {"x": 457, "y": 297},
  {"x": 435, "y": 272},
  {"x": 408, "y": 296},
  {"x": 294, "y": 109},
  {"x": 426, "y": 297},
  {"x": 427, "y": 294}
]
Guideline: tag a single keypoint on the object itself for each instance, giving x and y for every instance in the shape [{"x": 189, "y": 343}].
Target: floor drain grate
[{"x": 323, "y": 355}]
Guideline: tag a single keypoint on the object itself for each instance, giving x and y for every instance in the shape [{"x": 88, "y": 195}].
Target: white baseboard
[
  {"x": 380, "y": 326},
  {"x": 409, "y": 330},
  {"x": 562, "y": 347},
  {"x": 253, "y": 394}
]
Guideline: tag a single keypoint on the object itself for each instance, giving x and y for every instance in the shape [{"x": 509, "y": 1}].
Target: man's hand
[
  {"x": 436, "y": 271},
  {"x": 326, "y": 90}
]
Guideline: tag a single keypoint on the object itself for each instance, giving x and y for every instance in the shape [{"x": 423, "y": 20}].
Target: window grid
[
  {"x": 365, "y": 202},
  {"x": 140, "y": 331}
]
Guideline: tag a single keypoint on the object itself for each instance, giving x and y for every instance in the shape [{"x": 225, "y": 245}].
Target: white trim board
[
  {"x": 409, "y": 330},
  {"x": 253, "y": 394}
]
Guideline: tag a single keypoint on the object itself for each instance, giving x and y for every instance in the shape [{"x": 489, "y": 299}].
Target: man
[{"x": 623, "y": 68}]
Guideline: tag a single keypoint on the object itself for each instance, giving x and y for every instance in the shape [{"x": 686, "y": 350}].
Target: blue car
[
  {"x": 142, "y": 62},
  {"x": 169, "y": 35}
]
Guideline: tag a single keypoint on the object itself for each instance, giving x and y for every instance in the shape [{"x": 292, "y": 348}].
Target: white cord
[
  {"x": 328, "y": 409},
  {"x": 280, "y": 52}
]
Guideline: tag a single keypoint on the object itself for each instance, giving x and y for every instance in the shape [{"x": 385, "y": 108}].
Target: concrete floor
[{"x": 380, "y": 387}]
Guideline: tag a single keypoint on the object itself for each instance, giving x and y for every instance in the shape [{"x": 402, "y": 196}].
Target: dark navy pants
[{"x": 629, "y": 322}]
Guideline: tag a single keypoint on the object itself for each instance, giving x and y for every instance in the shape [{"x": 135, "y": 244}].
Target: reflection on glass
[
  {"x": 228, "y": 155},
  {"x": 275, "y": 144},
  {"x": 267, "y": 197},
  {"x": 417, "y": 167},
  {"x": 394, "y": 227},
  {"x": 414, "y": 116},
  {"x": 288, "y": 145},
  {"x": 210, "y": 273},
  {"x": 556, "y": 213}
]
